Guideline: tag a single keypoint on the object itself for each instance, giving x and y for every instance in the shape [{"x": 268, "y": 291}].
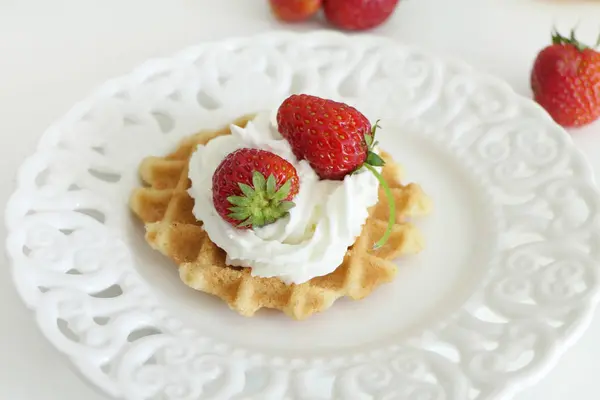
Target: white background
[{"x": 53, "y": 52}]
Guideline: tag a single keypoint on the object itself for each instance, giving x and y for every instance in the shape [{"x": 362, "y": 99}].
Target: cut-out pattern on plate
[{"x": 72, "y": 267}]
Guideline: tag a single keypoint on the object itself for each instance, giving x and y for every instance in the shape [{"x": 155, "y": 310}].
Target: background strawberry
[
  {"x": 566, "y": 81},
  {"x": 331, "y": 136},
  {"x": 357, "y": 15},
  {"x": 253, "y": 188},
  {"x": 294, "y": 10}
]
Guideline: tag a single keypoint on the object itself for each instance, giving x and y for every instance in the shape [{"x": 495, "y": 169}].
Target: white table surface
[{"x": 53, "y": 52}]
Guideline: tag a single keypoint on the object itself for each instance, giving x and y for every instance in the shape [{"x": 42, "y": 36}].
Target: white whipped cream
[{"x": 312, "y": 240}]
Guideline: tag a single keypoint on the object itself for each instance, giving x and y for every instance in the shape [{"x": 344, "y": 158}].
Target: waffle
[{"x": 165, "y": 207}]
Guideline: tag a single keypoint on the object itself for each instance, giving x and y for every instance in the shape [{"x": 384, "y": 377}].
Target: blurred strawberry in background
[
  {"x": 350, "y": 15},
  {"x": 356, "y": 15},
  {"x": 294, "y": 10},
  {"x": 565, "y": 80}
]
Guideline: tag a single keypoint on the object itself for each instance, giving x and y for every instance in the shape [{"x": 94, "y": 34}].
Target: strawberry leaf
[
  {"x": 239, "y": 216},
  {"x": 283, "y": 191},
  {"x": 271, "y": 185},
  {"x": 286, "y": 206},
  {"x": 368, "y": 140},
  {"x": 239, "y": 201},
  {"x": 247, "y": 190},
  {"x": 246, "y": 223},
  {"x": 375, "y": 160},
  {"x": 238, "y": 209},
  {"x": 259, "y": 182}
]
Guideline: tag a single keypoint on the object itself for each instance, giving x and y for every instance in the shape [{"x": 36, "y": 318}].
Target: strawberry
[
  {"x": 565, "y": 80},
  {"x": 335, "y": 138},
  {"x": 253, "y": 188},
  {"x": 357, "y": 15},
  {"x": 294, "y": 10}
]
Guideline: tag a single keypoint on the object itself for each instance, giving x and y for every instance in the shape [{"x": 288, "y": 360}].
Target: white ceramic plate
[{"x": 507, "y": 281}]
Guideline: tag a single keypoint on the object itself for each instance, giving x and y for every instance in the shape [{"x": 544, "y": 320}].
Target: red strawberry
[
  {"x": 357, "y": 15},
  {"x": 294, "y": 10},
  {"x": 253, "y": 188},
  {"x": 334, "y": 138},
  {"x": 566, "y": 81}
]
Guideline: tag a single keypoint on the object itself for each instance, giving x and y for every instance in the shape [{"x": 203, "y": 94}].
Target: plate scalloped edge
[{"x": 71, "y": 266}]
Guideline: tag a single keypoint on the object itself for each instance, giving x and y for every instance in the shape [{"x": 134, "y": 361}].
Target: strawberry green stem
[
  {"x": 392, "y": 204},
  {"x": 557, "y": 38},
  {"x": 260, "y": 204}
]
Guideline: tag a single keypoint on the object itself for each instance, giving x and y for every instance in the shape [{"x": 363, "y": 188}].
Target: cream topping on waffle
[{"x": 312, "y": 240}]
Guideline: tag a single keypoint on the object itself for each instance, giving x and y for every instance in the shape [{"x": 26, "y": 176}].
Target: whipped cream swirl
[{"x": 312, "y": 240}]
